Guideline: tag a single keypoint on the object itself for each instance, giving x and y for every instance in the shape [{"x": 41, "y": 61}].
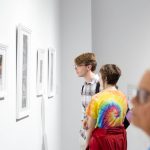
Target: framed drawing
[
  {"x": 3, "y": 49},
  {"x": 51, "y": 72},
  {"x": 23, "y": 50},
  {"x": 40, "y": 72}
]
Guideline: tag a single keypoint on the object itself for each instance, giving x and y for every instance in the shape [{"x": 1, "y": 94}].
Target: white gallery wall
[
  {"x": 121, "y": 35},
  {"x": 76, "y": 38},
  {"x": 42, "y": 17}
]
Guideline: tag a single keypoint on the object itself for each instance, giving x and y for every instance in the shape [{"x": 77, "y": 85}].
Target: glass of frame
[
  {"x": 51, "y": 72},
  {"x": 3, "y": 49},
  {"x": 23, "y": 50},
  {"x": 40, "y": 72}
]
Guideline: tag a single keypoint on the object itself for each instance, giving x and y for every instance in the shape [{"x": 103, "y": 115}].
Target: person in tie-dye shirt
[{"x": 106, "y": 113}]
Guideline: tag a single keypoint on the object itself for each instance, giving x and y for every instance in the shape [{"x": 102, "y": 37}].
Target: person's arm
[
  {"x": 92, "y": 115},
  {"x": 91, "y": 125}
]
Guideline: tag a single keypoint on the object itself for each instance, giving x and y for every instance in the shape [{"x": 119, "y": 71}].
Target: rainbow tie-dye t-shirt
[{"x": 108, "y": 107}]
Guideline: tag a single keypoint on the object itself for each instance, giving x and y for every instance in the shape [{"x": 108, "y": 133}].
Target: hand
[
  {"x": 86, "y": 146},
  {"x": 84, "y": 124}
]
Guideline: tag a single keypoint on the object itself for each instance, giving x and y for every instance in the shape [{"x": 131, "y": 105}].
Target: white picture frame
[
  {"x": 23, "y": 50},
  {"x": 40, "y": 72},
  {"x": 3, "y": 49},
  {"x": 51, "y": 87}
]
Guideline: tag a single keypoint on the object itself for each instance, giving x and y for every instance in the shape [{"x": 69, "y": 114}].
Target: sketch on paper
[
  {"x": 24, "y": 72},
  {"x": 51, "y": 72},
  {"x": 23, "y": 49},
  {"x": 40, "y": 72},
  {"x": 2, "y": 70}
]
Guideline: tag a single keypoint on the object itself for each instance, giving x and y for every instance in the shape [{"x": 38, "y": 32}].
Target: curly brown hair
[
  {"x": 110, "y": 73},
  {"x": 86, "y": 59}
]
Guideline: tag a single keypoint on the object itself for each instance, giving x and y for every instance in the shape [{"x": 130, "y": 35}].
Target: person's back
[{"x": 109, "y": 108}]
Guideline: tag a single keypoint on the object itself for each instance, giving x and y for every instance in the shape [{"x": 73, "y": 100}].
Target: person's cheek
[
  {"x": 134, "y": 101},
  {"x": 140, "y": 116},
  {"x": 134, "y": 118}
]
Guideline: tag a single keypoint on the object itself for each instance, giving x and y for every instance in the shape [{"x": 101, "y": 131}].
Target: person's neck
[
  {"x": 110, "y": 87},
  {"x": 89, "y": 76}
]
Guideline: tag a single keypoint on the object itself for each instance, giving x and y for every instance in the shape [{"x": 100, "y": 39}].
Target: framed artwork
[
  {"x": 3, "y": 49},
  {"x": 23, "y": 50},
  {"x": 51, "y": 72},
  {"x": 40, "y": 72}
]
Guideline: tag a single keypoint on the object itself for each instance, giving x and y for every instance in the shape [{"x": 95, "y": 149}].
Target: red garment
[{"x": 108, "y": 139}]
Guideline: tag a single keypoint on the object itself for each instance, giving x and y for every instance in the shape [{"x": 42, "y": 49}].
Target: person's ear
[
  {"x": 105, "y": 80},
  {"x": 89, "y": 67}
]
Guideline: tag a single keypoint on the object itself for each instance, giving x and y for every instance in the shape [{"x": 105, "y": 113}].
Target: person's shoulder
[
  {"x": 96, "y": 77},
  {"x": 122, "y": 94},
  {"x": 97, "y": 96},
  {"x": 108, "y": 93}
]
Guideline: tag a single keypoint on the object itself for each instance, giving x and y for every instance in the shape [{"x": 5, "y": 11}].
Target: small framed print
[
  {"x": 3, "y": 49},
  {"x": 23, "y": 50},
  {"x": 40, "y": 72},
  {"x": 51, "y": 72}
]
